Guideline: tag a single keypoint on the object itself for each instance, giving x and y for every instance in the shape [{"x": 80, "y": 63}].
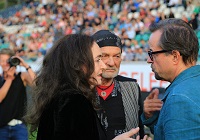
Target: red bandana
[{"x": 105, "y": 91}]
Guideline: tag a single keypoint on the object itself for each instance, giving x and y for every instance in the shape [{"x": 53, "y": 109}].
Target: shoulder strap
[{"x": 130, "y": 95}]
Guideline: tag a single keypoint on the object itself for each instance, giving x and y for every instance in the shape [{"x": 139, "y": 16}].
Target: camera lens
[{"x": 14, "y": 61}]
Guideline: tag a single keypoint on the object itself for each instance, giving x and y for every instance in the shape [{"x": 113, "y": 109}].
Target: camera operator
[{"x": 13, "y": 96}]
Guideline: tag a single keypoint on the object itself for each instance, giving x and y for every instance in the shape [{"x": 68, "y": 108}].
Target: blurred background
[{"x": 30, "y": 27}]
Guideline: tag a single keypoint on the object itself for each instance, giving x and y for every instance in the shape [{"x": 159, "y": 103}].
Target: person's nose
[
  {"x": 110, "y": 61},
  {"x": 149, "y": 60},
  {"x": 103, "y": 65}
]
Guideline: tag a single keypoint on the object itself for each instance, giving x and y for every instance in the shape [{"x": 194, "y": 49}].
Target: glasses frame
[{"x": 151, "y": 52}]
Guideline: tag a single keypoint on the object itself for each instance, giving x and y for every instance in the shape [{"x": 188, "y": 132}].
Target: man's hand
[
  {"x": 129, "y": 134},
  {"x": 152, "y": 104}
]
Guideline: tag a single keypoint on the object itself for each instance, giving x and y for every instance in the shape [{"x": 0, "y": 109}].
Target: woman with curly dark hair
[{"x": 63, "y": 99}]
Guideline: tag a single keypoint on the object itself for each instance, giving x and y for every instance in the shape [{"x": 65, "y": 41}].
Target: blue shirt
[{"x": 179, "y": 117}]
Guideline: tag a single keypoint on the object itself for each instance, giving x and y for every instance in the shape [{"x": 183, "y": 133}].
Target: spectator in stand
[
  {"x": 173, "y": 3},
  {"x": 59, "y": 10},
  {"x": 193, "y": 21},
  {"x": 140, "y": 55},
  {"x": 130, "y": 55}
]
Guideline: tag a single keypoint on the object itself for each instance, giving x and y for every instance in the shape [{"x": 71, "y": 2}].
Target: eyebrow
[
  {"x": 119, "y": 53},
  {"x": 98, "y": 56},
  {"x": 114, "y": 54}
]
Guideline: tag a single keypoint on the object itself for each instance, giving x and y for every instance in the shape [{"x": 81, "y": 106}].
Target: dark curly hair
[{"x": 62, "y": 69}]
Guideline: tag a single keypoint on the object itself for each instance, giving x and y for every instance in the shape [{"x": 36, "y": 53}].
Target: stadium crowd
[{"x": 32, "y": 30}]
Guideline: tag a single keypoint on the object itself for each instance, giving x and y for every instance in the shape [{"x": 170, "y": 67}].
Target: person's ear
[{"x": 176, "y": 56}]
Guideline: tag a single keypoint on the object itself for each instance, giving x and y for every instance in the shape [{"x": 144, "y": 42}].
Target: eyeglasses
[{"x": 150, "y": 53}]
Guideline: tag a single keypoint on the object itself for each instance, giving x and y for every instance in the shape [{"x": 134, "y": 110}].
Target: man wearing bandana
[{"x": 119, "y": 97}]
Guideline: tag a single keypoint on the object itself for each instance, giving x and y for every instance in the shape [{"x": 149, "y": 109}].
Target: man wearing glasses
[{"x": 173, "y": 55}]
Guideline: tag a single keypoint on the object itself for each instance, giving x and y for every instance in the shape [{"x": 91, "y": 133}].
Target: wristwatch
[{"x": 29, "y": 67}]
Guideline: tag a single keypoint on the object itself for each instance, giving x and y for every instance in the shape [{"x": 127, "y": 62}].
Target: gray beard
[{"x": 106, "y": 76}]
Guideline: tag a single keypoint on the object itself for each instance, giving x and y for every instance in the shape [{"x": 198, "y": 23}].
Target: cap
[{"x": 107, "y": 38}]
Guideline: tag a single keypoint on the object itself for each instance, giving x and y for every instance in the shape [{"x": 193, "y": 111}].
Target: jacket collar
[{"x": 184, "y": 75}]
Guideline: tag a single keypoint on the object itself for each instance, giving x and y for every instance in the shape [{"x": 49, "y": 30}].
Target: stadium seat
[
  {"x": 130, "y": 15},
  {"x": 199, "y": 42},
  {"x": 136, "y": 15},
  {"x": 190, "y": 8},
  {"x": 5, "y": 45},
  {"x": 178, "y": 15},
  {"x": 166, "y": 11},
  {"x": 111, "y": 27},
  {"x": 180, "y": 9},
  {"x": 26, "y": 35},
  {"x": 138, "y": 37},
  {"x": 198, "y": 34},
  {"x": 187, "y": 14},
  {"x": 154, "y": 12},
  {"x": 145, "y": 37},
  {"x": 163, "y": 6},
  {"x": 161, "y": 2},
  {"x": 173, "y": 9},
  {"x": 199, "y": 52}
]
